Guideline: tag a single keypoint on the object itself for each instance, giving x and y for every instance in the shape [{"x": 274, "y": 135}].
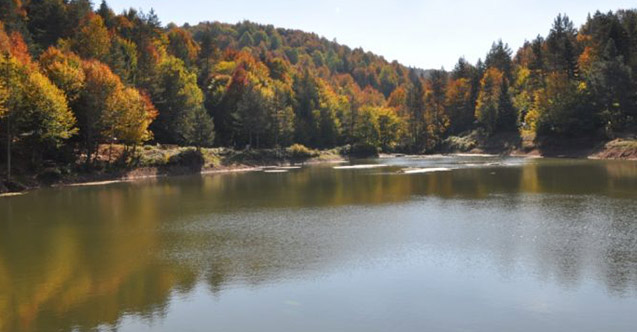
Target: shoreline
[
  {"x": 164, "y": 171},
  {"x": 613, "y": 150},
  {"x": 154, "y": 176},
  {"x": 114, "y": 180},
  {"x": 212, "y": 171}
]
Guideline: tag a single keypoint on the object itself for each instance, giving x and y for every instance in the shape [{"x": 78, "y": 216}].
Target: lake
[{"x": 462, "y": 243}]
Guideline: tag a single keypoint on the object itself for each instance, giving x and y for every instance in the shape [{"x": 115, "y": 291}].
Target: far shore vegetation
[{"x": 84, "y": 90}]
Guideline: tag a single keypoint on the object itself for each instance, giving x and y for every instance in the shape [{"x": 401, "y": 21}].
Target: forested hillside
[{"x": 74, "y": 75}]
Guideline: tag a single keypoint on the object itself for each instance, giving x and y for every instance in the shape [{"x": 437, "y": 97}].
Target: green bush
[
  {"x": 192, "y": 159},
  {"x": 458, "y": 144},
  {"x": 300, "y": 151},
  {"x": 363, "y": 150},
  {"x": 50, "y": 175},
  {"x": 153, "y": 157}
]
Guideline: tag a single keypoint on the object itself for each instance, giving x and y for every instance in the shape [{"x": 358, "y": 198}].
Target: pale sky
[{"x": 421, "y": 33}]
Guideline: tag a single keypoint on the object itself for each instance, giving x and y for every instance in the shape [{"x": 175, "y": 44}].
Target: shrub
[
  {"x": 458, "y": 144},
  {"x": 154, "y": 157},
  {"x": 363, "y": 150},
  {"x": 300, "y": 151},
  {"x": 192, "y": 159},
  {"x": 50, "y": 175}
]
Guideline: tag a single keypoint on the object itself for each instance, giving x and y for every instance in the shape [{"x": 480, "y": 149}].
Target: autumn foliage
[{"x": 72, "y": 78}]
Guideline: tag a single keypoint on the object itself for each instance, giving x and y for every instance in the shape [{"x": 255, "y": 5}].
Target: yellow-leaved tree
[
  {"x": 92, "y": 40},
  {"x": 4, "y": 96},
  {"x": 33, "y": 111},
  {"x": 489, "y": 99},
  {"x": 65, "y": 70},
  {"x": 130, "y": 114},
  {"x": 109, "y": 111},
  {"x": 459, "y": 105}
]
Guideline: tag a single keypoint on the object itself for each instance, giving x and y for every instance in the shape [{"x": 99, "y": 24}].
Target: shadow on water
[{"x": 79, "y": 258}]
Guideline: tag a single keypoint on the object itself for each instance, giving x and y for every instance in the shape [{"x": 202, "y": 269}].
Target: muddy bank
[
  {"x": 617, "y": 149},
  {"x": 515, "y": 144}
]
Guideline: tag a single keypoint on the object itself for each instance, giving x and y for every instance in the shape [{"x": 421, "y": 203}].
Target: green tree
[
  {"x": 390, "y": 127},
  {"x": 260, "y": 37},
  {"x": 107, "y": 14},
  {"x": 182, "y": 46},
  {"x": 507, "y": 114},
  {"x": 48, "y": 22},
  {"x": 253, "y": 111},
  {"x": 276, "y": 41},
  {"x": 613, "y": 89},
  {"x": 202, "y": 131},
  {"x": 327, "y": 127},
  {"x": 122, "y": 58},
  {"x": 388, "y": 80},
  {"x": 306, "y": 100},
  {"x": 561, "y": 52},
  {"x": 177, "y": 98},
  {"x": 378, "y": 127},
  {"x": 14, "y": 16},
  {"x": 92, "y": 40},
  {"x": 415, "y": 103},
  {"x": 367, "y": 129},
  {"x": 463, "y": 69},
  {"x": 246, "y": 40},
  {"x": 500, "y": 57},
  {"x": 318, "y": 58},
  {"x": 436, "y": 117},
  {"x": 561, "y": 109},
  {"x": 282, "y": 115},
  {"x": 489, "y": 99},
  {"x": 459, "y": 105}
]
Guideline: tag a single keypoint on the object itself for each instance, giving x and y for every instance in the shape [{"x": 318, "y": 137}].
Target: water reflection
[{"x": 79, "y": 258}]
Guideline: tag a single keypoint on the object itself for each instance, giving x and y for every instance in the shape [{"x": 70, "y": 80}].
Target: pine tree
[
  {"x": 253, "y": 110},
  {"x": 613, "y": 90},
  {"x": 500, "y": 57},
  {"x": 459, "y": 105},
  {"x": 201, "y": 133},
  {"x": 436, "y": 118},
  {"x": 561, "y": 49},
  {"x": 489, "y": 99},
  {"x": 177, "y": 97},
  {"x": 416, "y": 110}
]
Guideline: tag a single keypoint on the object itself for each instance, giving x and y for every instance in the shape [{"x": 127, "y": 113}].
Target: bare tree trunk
[
  {"x": 110, "y": 152},
  {"x": 9, "y": 148},
  {"x": 89, "y": 153}
]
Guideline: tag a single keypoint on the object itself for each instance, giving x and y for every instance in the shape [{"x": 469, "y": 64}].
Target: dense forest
[{"x": 74, "y": 76}]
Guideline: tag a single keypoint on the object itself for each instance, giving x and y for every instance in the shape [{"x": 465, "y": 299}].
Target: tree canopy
[{"x": 75, "y": 77}]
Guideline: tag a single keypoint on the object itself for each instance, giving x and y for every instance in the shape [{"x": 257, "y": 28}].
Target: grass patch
[{"x": 622, "y": 143}]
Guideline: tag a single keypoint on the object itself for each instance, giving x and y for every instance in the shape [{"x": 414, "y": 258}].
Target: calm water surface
[{"x": 480, "y": 244}]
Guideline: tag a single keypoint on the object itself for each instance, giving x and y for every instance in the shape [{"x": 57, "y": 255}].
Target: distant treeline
[{"x": 72, "y": 78}]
